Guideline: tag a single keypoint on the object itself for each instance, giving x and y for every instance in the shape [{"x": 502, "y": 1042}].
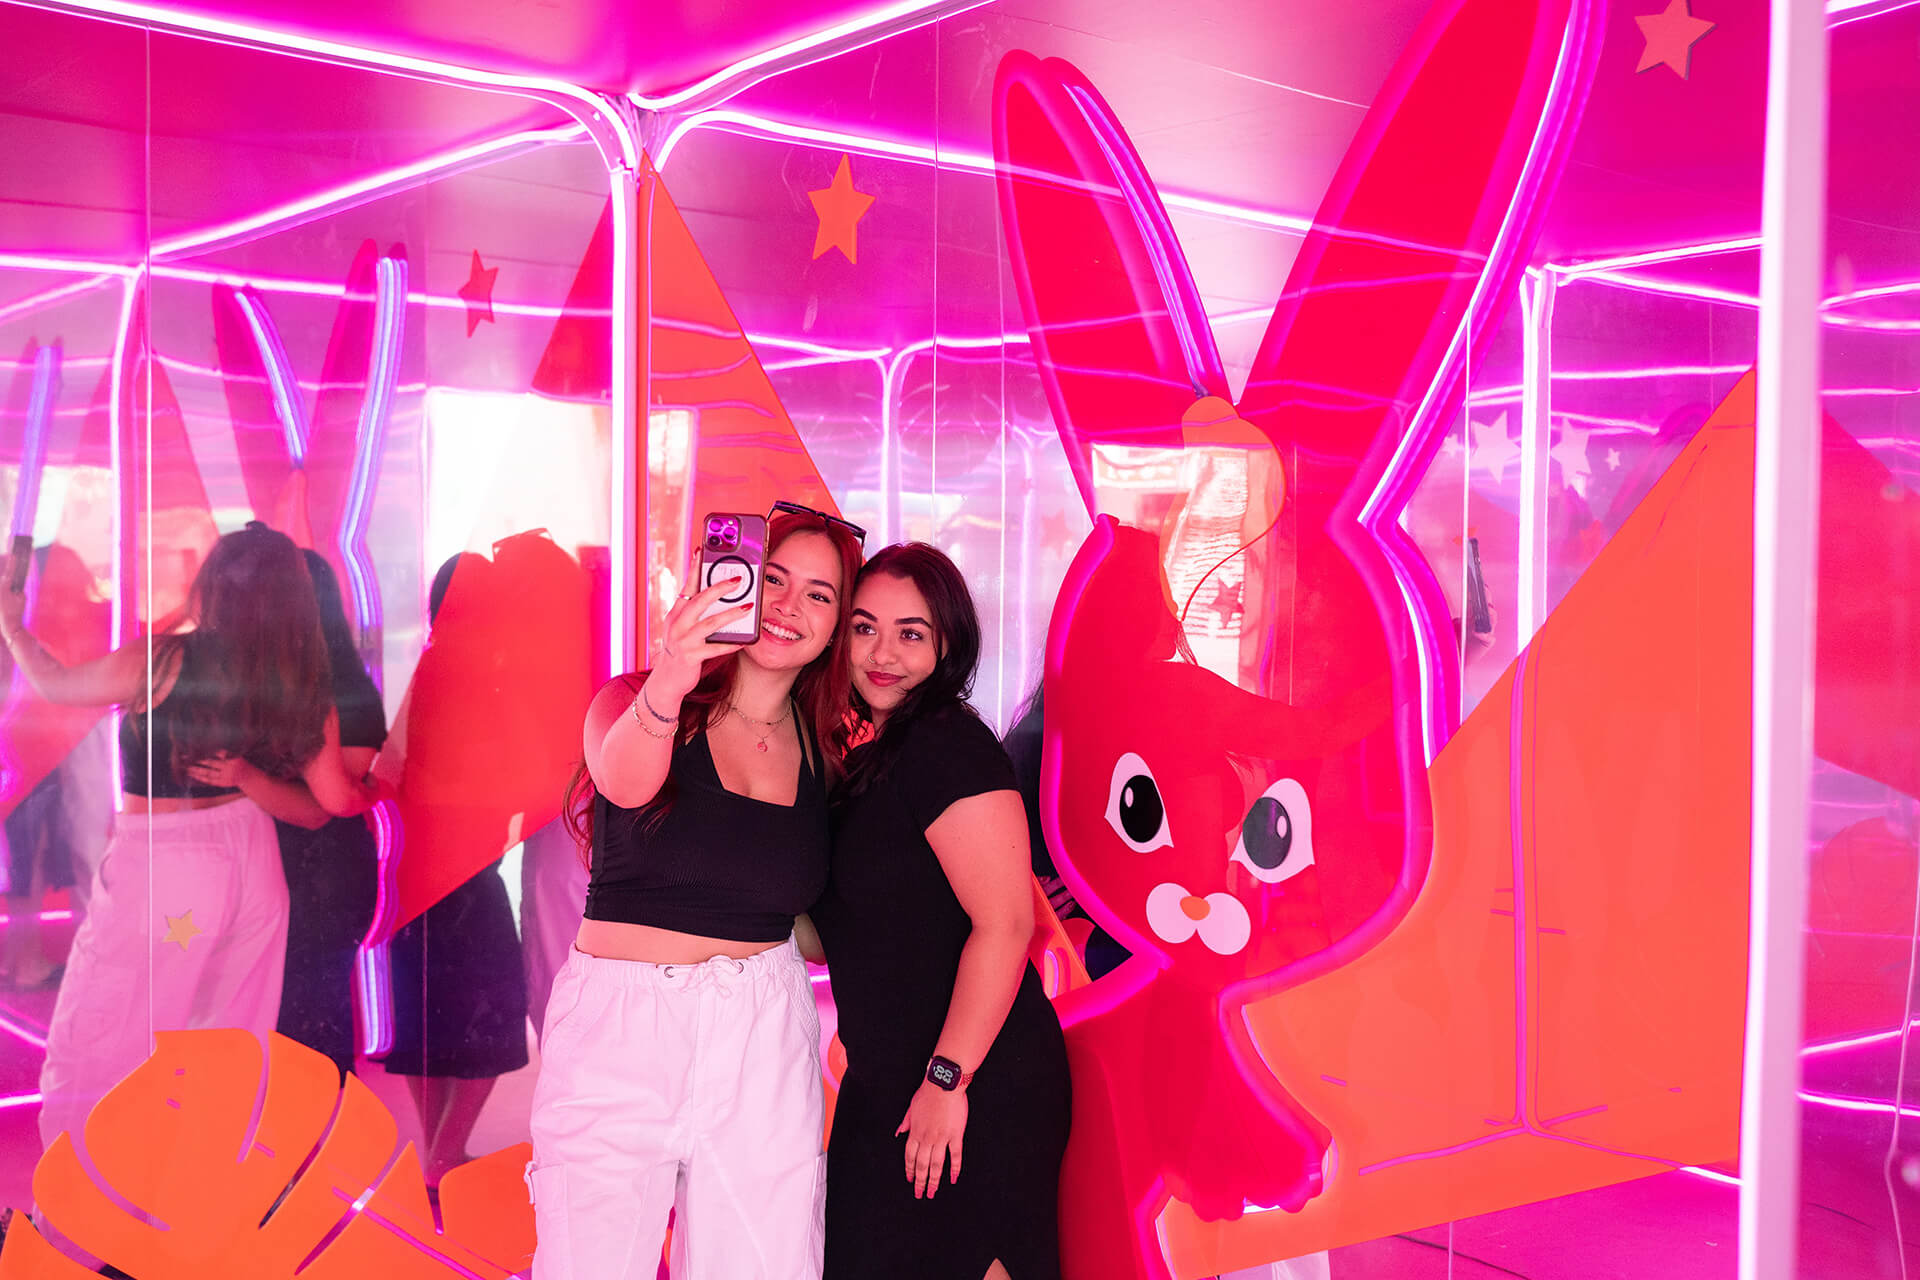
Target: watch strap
[{"x": 946, "y": 1073}]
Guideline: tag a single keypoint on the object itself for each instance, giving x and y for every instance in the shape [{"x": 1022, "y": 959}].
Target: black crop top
[
  {"x": 157, "y": 724},
  {"x": 363, "y": 723},
  {"x": 718, "y": 864}
]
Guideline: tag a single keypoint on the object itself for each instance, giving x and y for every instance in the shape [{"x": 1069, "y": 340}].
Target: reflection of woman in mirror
[
  {"x": 952, "y": 1117},
  {"x": 332, "y": 864},
  {"x": 680, "y": 1065},
  {"x": 55, "y": 832},
  {"x": 188, "y": 919},
  {"x": 459, "y": 988}
]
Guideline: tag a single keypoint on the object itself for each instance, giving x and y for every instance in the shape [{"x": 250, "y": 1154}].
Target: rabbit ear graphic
[
  {"x": 1436, "y": 195},
  {"x": 347, "y": 376},
  {"x": 1119, "y": 333},
  {"x": 259, "y": 436}
]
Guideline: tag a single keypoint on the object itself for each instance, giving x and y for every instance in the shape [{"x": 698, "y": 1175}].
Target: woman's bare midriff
[
  {"x": 611, "y": 940},
  {"x": 131, "y": 803}
]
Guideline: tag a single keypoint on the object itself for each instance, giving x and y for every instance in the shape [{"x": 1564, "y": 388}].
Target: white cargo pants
[
  {"x": 187, "y": 928},
  {"x": 694, "y": 1088}
]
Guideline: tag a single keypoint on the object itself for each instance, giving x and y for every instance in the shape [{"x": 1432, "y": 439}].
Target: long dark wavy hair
[
  {"x": 821, "y": 692},
  {"x": 332, "y": 606},
  {"x": 957, "y": 631},
  {"x": 260, "y": 682}
]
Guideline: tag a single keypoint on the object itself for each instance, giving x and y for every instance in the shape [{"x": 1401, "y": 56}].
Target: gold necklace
[{"x": 772, "y": 725}]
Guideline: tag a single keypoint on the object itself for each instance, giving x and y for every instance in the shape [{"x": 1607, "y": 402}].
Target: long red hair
[{"x": 822, "y": 692}]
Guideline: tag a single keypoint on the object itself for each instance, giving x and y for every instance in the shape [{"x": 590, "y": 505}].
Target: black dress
[
  {"x": 460, "y": 987},
  {"x": 333, "y": 877},
  {"x": 893, "y": 932}
]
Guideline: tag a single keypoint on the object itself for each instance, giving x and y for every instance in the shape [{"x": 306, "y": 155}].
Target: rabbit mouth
[{"x": 1219, "y": 920}]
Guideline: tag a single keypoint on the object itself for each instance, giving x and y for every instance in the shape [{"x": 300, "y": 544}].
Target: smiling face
[
  {"x": 799, "y": 603},
  {"x": 895, "y": 646}
]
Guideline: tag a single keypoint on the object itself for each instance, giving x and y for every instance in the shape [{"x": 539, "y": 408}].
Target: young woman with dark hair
[
  {"x": 952, "y": 1045},
  {"x": 332, "y": 864},
  {"x": 188, "y": 919},
  {"x": 680, "y": 1060}
]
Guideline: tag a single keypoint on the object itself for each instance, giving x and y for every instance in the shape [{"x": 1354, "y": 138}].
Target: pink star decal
[
  {"x": 1226, "y": 603},
  {"x": 477, "y": 293},
  {"x": 1671, "y": 35}
]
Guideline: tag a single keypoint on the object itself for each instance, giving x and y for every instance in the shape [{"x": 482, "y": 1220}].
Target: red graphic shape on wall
[
  {"x": 490, "y": 729},
  {"x": 1244, "y": 841}
]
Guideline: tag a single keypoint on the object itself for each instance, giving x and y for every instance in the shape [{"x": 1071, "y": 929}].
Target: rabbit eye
[
  {"x": 1276, "y": 837},
  {"x": 1135, "y": 808}
]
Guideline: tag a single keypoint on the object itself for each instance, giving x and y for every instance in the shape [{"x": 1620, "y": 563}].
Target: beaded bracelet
[{"x": 646, "y": 728}]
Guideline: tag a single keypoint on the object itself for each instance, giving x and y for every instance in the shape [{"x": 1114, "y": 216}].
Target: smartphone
[
  {"x": 733, "y": 548},
  {"x": 22, "y": 560},
  {"x": 1478, "y": 614}
]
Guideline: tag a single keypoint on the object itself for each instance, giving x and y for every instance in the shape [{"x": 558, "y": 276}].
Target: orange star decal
[
  {"x": 840, "y": 208},
  {"x": 1671, "y": 35},
  {"x": 181, "y": 929}
]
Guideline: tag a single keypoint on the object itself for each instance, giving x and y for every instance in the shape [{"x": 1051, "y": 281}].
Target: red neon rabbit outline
[{"x": 1314, "y": 850}]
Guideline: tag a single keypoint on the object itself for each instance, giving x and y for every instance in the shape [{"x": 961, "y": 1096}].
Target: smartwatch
[{"x": 946, "y": 1073}]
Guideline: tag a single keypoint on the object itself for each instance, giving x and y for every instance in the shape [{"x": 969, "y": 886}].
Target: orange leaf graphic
[{"x": 211, "y": 1159}]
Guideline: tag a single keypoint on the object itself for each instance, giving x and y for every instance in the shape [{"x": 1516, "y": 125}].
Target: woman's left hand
[
  {"x": 220, "y": 770},
  {"x": 935, "y": 1124}
]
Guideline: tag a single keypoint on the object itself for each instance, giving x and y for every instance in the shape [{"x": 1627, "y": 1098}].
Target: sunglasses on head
[{"x": 795, "y": 509}]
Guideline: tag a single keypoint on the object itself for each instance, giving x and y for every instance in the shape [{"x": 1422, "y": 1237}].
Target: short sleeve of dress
[
  {"x": 363, "y": 720},
  {"x": 951, "y": 755}
]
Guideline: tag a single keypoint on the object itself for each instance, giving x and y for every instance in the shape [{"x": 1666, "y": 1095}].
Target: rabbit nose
[{"x": 1195, "y": 908}]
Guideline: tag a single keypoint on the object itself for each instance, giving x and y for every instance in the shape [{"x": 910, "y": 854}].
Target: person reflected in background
[
  {"x": 952, "y": 1046},
  {"x": 459, "y": 991},
  {"x": 38, "y": 860},
  {"x": 55, "y": 833},
  {"x": 331, "y": 864},
  {"x": 680, "y": 1063},
  {"x": 1025, "y": 745},
  {"x": 187, "y": 925}
]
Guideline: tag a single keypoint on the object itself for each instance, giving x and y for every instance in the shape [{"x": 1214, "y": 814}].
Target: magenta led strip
[
  {"x": 288, "y": 404},
  {"x": 390, "y": 309},
  {"x": 26, "y": 505},
  {"x": 371, "y": 971}
]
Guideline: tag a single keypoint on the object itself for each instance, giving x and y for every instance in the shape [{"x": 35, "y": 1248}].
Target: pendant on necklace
[{"x": 762, "y": 744}]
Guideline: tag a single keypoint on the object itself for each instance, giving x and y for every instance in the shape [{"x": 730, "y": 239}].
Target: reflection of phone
[
  {"x": 1479, "y": 616},
  {"x": 22, "y": 559},
  {"x": 734, "y": 546}
]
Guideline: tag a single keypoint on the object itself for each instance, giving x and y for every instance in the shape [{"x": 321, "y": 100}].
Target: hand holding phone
[
  {"x": 20, "y": 559},
  {"x": 733, "y": 551},
  {"x": 1479, "y": 612}
]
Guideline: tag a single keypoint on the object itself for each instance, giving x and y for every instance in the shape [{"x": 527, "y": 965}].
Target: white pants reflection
[
  {"x": 553, "y": 891},
  {"x": 690, "y": 1087},
  {"x": 187, "y": 928}
]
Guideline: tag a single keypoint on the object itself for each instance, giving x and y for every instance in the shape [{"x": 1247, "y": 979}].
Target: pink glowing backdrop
[{"x": 909, "y": 378}]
